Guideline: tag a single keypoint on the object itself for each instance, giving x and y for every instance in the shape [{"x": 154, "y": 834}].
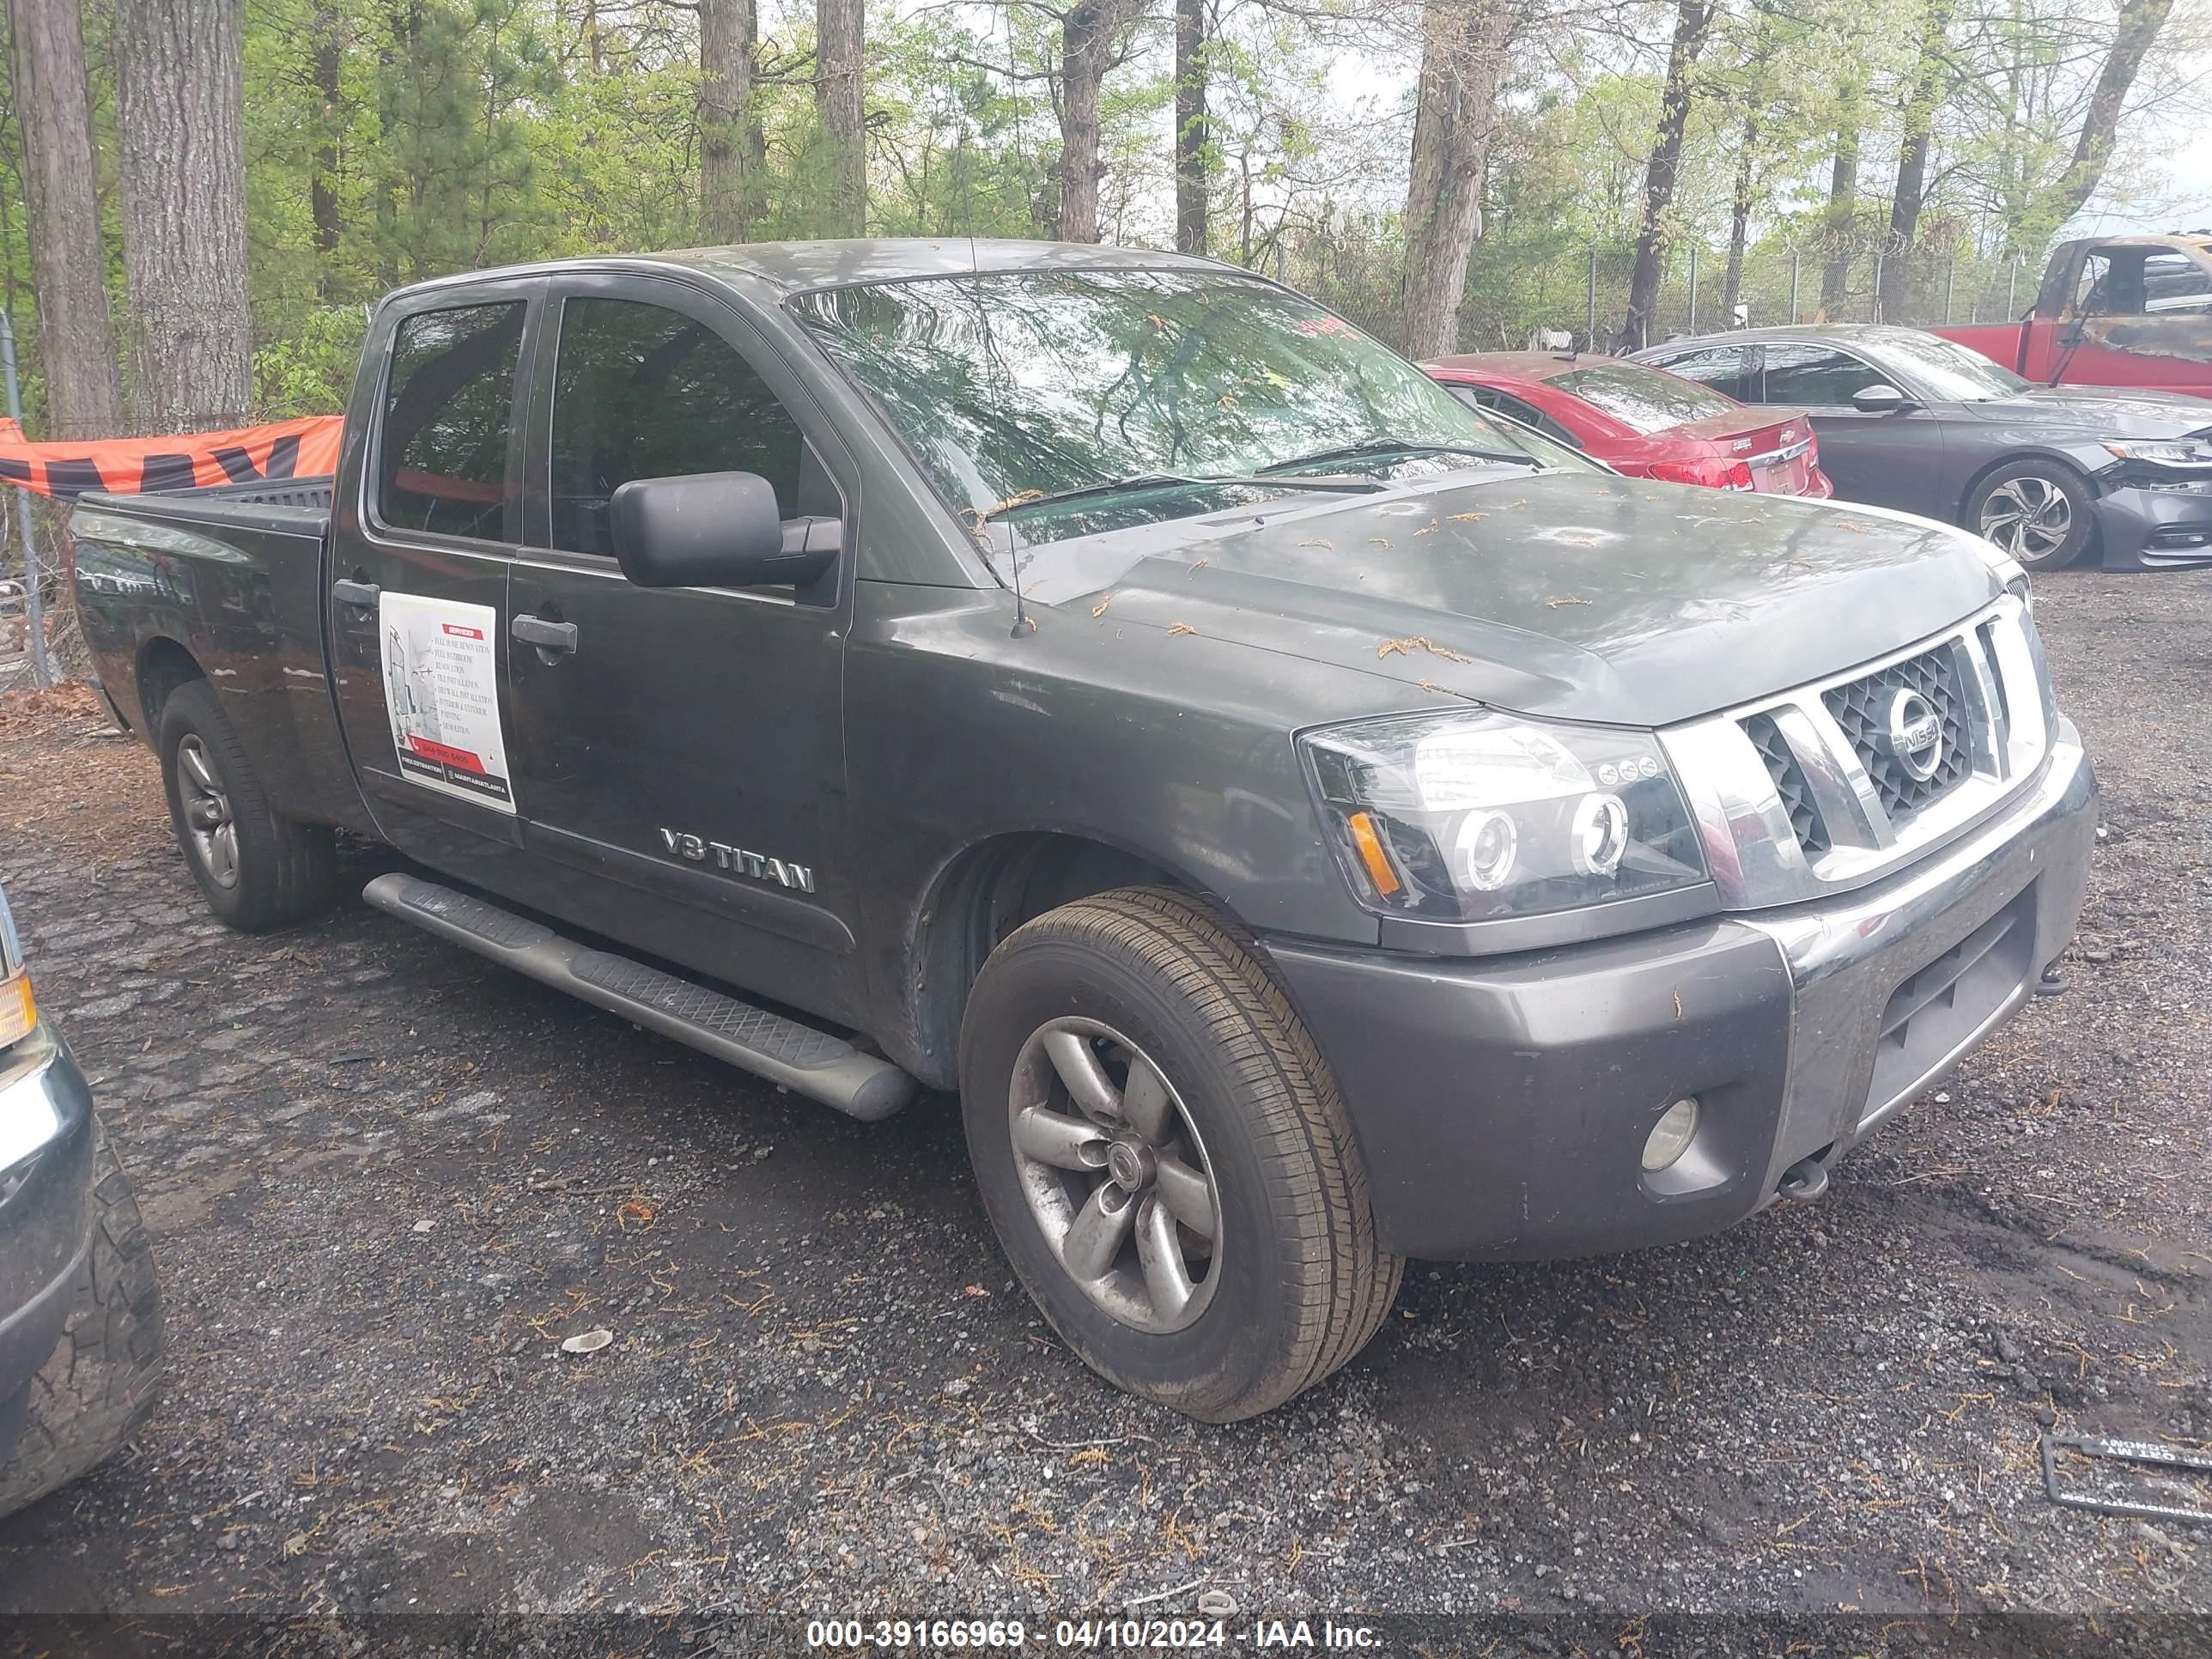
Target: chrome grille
[
  {"x": 1800, "y": 795},
  {"x": 1861, "y": 709},
  {"x": 1789, "y": 782}
]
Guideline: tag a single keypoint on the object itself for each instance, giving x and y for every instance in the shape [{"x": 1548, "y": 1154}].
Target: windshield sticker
[{"x": 441, "y": 686}]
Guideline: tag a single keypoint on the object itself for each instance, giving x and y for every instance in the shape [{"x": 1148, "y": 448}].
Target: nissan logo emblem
[{"x": 1915, "y": 731}]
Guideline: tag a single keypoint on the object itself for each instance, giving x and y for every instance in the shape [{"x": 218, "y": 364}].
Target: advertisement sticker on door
[{"x": 442, "y": 685}]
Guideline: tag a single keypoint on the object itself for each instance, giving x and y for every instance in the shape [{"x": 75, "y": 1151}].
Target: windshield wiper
[
  {"x": 1158, "y": 480},
  {"x": 1403, "y": 446}
]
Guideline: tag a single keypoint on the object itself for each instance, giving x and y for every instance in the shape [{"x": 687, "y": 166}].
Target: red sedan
[{"x": 1642, "y": 421}]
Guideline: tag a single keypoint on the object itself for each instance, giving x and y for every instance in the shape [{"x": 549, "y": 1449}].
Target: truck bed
[{"x": 229, "y": 578}]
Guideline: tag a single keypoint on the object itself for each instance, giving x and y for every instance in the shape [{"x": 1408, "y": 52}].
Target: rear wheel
[
  {"x": 258, "y": 871},
  {"x": 2039, "y": 512},
  {"x": 1164, "y": 1155}
]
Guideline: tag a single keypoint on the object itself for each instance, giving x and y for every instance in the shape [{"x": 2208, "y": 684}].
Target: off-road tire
[
  {"x": 2080, "y": 497},
  {"x": 287, "y": 871},
  {"x": 99, "y": 1384},
  {"x": 1303, "y": 1283}
]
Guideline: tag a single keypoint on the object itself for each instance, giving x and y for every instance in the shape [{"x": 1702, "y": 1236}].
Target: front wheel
[
  {"x": 99, "y": 1386},
  {"x": 1164, "y": 1157},
  {"x": 2039, "y": 512}
]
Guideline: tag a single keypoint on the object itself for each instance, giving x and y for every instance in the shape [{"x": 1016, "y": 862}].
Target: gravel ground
[{"x": 385, "y": 1181}]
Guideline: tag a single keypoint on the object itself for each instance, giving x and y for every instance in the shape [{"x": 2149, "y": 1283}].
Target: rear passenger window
[
  {"x": 1810, "y": 375},
  {"x": 1503, "y": 402},
  {"x": 448, "y": 412},
  {"x": 642, "y": 391},
  {"x": 2174, "y": 283},
  {"x": 1718, "y": 367}
]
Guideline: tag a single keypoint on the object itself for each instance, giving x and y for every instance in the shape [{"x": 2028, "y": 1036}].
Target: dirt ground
[{"x": 386, "y": 1181}]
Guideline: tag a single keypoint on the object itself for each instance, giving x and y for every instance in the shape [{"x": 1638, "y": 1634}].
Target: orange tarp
[{"x": 305, "y": 448}]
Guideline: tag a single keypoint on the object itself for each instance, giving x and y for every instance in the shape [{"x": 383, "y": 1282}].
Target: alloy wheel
[
  {"x": 208, "y": 817},
  {"x": 1115, "y": 1174},
  {"x": 2029, "y": 517}
]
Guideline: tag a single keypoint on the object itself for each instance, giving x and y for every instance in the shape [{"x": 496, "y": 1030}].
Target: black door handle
[
  {"x": 558, "y": 638},
  {"x": 364, "y": 595}
]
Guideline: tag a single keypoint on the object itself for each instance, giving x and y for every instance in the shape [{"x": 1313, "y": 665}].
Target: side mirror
[
  {"x": 1880, "y": 400},
  {"x": 715, "y": 529}
]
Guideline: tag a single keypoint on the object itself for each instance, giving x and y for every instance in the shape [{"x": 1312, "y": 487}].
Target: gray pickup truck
[{"x": 1309, "y": 824}]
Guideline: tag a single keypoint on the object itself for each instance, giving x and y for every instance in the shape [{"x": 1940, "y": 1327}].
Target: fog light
[{"x": 1671, "y": 1136}]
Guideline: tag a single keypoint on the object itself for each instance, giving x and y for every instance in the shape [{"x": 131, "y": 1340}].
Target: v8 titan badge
[{"x": 442, "y": 685}]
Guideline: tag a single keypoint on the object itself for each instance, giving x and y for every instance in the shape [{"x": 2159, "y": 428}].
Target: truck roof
[
  {"x": 1839, "y": 332},
  {"x": 793, "y": 267},
  {"x": 2186, "y": 241}
]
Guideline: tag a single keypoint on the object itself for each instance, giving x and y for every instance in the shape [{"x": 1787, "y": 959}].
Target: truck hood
[
  {"x": 1584, "y": 597},
  {"x": 2085, "y": 412}
]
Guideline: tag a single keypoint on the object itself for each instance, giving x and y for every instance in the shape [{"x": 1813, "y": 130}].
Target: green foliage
[
  {"x": 309, "y": 368},
  {"x": 438, "y": 135}
]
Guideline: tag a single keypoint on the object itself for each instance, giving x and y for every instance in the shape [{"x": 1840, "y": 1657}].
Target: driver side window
[
  {"x": 1815, "y": 376},
  {"x": 643, "y": 391}
]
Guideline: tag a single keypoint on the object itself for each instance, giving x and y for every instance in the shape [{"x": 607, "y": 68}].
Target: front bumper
[
  {"x": 45, "y": 1207},
  {"x": 2145, "y": 528},
  {"x": 1501, "y": 1105}
]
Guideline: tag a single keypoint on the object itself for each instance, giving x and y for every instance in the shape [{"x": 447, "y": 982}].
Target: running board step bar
[{"x": 817, "y": 1064}]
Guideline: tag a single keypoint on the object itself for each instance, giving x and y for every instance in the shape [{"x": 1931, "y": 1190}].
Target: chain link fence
[
  {"x": 1519, "y": 287},
  {"x": 35, "y": 593}
]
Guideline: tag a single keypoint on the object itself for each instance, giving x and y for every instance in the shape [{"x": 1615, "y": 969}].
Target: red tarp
[{"x": 305, "y": 448}]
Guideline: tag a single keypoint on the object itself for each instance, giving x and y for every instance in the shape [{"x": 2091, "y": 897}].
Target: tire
[
  {"x": 258, "y": 872},
  {"x": 99, "y": 1384},
  {"x": 2042, "y": 513},
  {"x": 1249, "y": 1117}
]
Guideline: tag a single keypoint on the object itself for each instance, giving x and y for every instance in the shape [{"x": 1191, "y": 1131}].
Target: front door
[
  {"x": 1894, "y": 458},
  {"x": 418, "y": 595},
  {"x": 679, "y": 753}
]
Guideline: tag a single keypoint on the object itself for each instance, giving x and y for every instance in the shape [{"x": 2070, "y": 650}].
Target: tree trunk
[
  {"x": 1692, "y": 20},
  {"x": 1926, "y": 95},
  {"x": 838, "y": 26},
  {"x": 2139, "y": 23},
  {"x": 1739, "y": 206},
  {"x": 729, "y": 146},
  {"x": 69, "y": 266},
  {"x": 1090, "y": 44},
  {"x": 1190, "y": 133},
  {"x": 322, "y": 184},
  {"x": 1455, "y": 115},
  {"x": 179, "y": 77},
  {"x": 1843, "y": 200}
]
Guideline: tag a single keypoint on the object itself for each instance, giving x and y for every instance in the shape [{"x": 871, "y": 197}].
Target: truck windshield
[{"x": 1015, "y": 388}]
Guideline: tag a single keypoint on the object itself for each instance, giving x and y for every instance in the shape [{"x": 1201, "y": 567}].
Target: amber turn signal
[
  {"x": 18, "y": 1012},
  {"x": 1373, "y": 855}
]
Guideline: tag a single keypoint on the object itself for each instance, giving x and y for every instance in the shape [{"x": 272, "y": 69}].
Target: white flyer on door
[{"x": 441, "y": 684}]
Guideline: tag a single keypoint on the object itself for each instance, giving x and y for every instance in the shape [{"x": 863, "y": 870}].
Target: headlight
[
  {"x": 2185, "y": 452},
  {"x": 18, "y": 1012},
  {"x": 1470, "y": 818}
]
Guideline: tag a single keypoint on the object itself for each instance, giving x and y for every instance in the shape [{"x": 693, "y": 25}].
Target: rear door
[
  {"x": 679, "y": 753},
  {"x": 418, "y": 595},
  {"x": 1891, "y": 458}
]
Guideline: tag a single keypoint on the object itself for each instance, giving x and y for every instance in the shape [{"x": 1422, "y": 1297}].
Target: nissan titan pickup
[{"x": 1306, "y": 823}]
